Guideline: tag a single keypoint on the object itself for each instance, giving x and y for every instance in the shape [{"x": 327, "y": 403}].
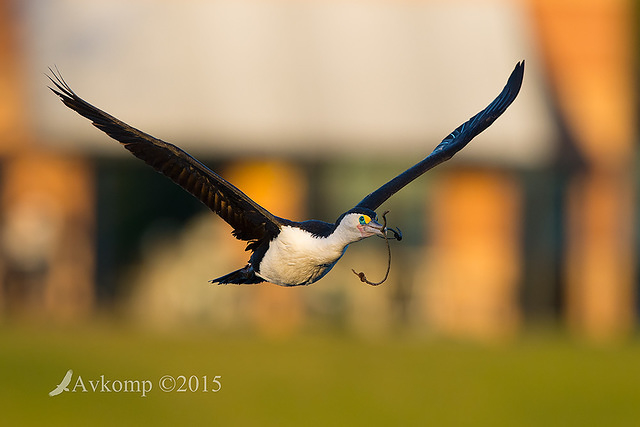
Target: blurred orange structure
[
  {"x": 47, "y": 234},
  {"x": 588, "y": 46},
  {"x": 475, "y": 262},
  {"x": 46, "y": 206},
  {"x": 13, "y": 117},
  {"x": 588, "y": 51},
  {"x": 279, "y": 187}
]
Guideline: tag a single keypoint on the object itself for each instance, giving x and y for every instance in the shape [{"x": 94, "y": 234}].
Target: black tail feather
[{"x": 243, "y": 276}]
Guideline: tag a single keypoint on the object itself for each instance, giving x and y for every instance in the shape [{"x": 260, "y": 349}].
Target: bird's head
[{"x": 359, "y": 223}]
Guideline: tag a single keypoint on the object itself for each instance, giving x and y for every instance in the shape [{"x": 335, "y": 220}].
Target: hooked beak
[{"x": 372, "y": 228}]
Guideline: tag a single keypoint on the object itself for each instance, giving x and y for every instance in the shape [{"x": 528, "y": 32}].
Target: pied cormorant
[{"x": 283, "y": 252}]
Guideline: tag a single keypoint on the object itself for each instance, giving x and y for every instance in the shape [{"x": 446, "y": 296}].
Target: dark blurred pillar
[{"x": 589, "y": 52}]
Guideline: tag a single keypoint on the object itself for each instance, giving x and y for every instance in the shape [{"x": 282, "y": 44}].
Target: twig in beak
[{"x": 398, "y": 236}]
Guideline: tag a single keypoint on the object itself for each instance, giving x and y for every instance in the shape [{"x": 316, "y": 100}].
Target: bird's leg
[{"x": 397, "y": 236}]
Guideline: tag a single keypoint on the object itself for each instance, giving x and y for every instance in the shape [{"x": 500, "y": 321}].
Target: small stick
[{"x": 361, "y": 275}]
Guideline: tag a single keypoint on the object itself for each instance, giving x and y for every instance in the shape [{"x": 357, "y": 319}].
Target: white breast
[{"x": 296, "y": 257}]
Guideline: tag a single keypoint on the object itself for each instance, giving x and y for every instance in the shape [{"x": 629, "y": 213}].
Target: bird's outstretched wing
[
  {"x": 453, "y": 143},
  {"x": 249, "y": 220}
]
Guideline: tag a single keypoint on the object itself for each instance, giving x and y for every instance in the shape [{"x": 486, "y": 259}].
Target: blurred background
[{"x": 512, "y": 298}]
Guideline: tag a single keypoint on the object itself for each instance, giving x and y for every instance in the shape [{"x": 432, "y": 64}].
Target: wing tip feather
[{"x": 459, "y": 137}]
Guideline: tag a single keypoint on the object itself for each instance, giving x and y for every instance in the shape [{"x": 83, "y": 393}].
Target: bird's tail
[{"x": 243, "y": 276}]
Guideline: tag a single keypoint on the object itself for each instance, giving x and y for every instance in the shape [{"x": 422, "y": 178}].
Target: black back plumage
[
  {"x": 250, "y": 221},
  {"x": 453, "y": 143}
]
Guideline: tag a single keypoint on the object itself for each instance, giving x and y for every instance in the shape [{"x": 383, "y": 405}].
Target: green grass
[{"x": 317, "y": 379}]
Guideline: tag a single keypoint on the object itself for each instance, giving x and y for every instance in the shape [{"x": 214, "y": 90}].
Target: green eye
[{"x": 362, "y": 220}]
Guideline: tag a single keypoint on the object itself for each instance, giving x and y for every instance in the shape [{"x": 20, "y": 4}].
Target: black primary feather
[
  {"x": 250, "y": 221},
  {"x": 453, "y": 143}
]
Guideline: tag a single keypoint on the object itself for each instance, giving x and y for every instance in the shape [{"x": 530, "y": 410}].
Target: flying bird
[
  {"x": 283, "y": 252},
  {"x": 64, "y": 384}
]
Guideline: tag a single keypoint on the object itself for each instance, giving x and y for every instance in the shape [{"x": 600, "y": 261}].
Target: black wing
[
  {"x": 249, "y": 220},
  {"x": 452, "y": 143}
]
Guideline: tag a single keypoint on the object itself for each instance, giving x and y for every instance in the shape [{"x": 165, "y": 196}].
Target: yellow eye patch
[{"x": 364, "y": 219}]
